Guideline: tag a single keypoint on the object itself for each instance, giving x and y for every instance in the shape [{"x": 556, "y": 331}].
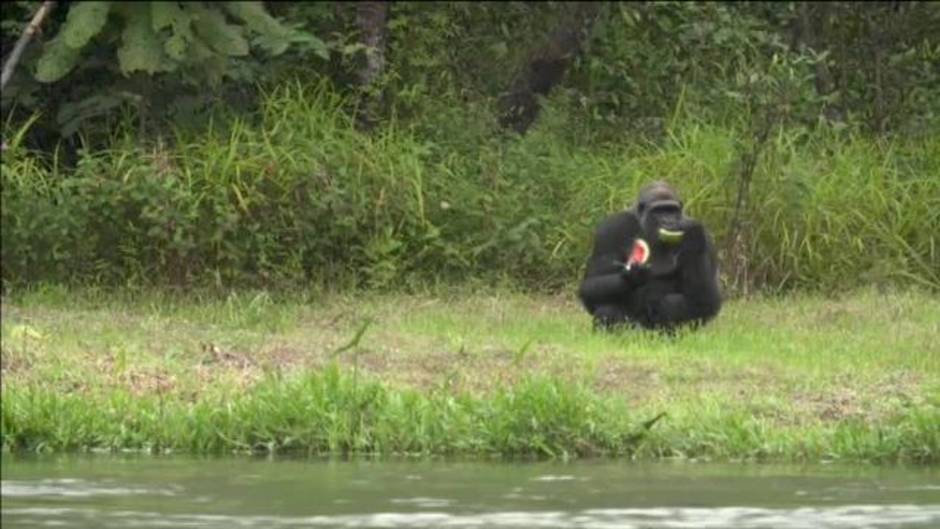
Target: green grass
[{"x": 800, "y": 377}]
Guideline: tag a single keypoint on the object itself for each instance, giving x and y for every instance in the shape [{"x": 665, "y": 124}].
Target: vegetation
[
  {"x": 271, "y": 205},
  {"x": 286, "y": 226},
  {"x": 792, "y": 378},
  {"x": 813, "y": 165}
]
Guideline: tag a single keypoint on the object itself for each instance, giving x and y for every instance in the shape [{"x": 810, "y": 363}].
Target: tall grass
[
  {"x": 326, "y": 412},
  {"x": 331, "y": 413},
  {"x": 302, "y": 196}
]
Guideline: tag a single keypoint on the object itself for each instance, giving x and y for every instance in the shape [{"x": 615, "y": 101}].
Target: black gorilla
[{"x": 677, "y": 284}]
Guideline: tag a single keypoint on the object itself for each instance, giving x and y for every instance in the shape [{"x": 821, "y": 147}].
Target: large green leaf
[
  {"x": 170, "y": 14},
  {"x": 219, "y": 35},
  {"x": 84, "y": 21},
  {"x": 141, "y": 49},
  {"x": 167, "y": 14},
  {"x": 58, "y": 59},
  {"x": 273, "y": 36}
]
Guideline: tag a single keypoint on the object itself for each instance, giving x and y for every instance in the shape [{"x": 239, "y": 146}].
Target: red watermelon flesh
[{"x": 639, "y": 254}]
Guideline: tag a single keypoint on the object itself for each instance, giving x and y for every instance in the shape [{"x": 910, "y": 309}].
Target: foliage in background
[
  {"x": 805, "y": 135},
  {"x": 304, "y": 196},
  {"x": 153, "y": 58},
  {"x": 872, "y": 66},
  {"x": 865, "y": 65}
]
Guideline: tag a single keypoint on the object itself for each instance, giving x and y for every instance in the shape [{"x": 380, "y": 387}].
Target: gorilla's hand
[
  {"x": 693, "y": 239},
  {"x": 636, "y": 274}
]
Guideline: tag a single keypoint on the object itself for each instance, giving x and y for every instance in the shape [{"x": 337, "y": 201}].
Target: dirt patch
[
  {"x": 215, "y": 355},
  {"x": 139, "y": 381},
  {"x": 14, "y": 361},
  {"x": 285, "y": 358},
  {"x": 477, "y": 371},
  {"x": 237, "y": 379},
  {"x": 149, "y": 382},
  {"x": 636, "y": 382},
  {"x": 426, "y": 371},
  {"x": 870, "y": 401}
]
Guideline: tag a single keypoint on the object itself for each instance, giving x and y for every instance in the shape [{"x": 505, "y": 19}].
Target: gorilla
[{"x": 651, "y": 267}]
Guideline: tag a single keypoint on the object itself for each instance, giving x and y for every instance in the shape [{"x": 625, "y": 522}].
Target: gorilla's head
[{"x": 660, "y": 212}]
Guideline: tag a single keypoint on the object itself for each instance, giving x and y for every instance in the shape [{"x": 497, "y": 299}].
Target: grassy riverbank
[{"x": 794, "y": 378}]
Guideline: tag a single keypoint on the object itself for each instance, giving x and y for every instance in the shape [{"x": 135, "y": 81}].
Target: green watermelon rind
[{"x": 670, "y": 236}]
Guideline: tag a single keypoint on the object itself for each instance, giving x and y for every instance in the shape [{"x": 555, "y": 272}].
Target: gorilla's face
[
  {"x": 665, "y": 214},
  {"x": 662, "y": 223},
  {"x": 659, "y": 208}
]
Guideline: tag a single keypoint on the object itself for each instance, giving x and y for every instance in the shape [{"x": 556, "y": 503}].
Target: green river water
[{"x": 242, "y": 492}]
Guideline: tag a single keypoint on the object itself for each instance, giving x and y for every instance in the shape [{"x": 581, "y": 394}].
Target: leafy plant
[
  {"x": 152, "y": 58},
  {"x": 164, "y": 36}
]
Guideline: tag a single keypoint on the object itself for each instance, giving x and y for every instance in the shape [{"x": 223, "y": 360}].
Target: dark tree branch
[
  {"x": 371, "y": 17},
  {"x": 737, "y": 240},
  {"x": 24, "y": 39},
  {"x": 546, "y": 66}
]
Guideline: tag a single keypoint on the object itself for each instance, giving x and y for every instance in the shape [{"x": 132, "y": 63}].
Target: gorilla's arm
[
  {"x": 699, "y": 298},
  {"x": 603, "y": 289},
  {"x": 603, "y": 279}
]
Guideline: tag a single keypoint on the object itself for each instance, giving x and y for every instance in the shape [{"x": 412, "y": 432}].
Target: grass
[{"x": 800, "y": 377}]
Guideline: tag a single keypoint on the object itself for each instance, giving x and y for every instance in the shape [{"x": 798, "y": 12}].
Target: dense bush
[{"x": 302, "y": 196}]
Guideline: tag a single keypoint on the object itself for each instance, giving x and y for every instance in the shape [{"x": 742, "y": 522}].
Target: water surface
[{"x": 163, "y": 492}]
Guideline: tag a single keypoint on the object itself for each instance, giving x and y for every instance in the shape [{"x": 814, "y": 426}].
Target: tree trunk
[
  {"x": 812, "y": 24},
  {"x": 371, "y": 19},
  {"x": 546, "y": 66}
]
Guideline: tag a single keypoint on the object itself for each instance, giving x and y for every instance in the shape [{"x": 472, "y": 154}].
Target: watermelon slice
[{"x": 639, "y": 254}]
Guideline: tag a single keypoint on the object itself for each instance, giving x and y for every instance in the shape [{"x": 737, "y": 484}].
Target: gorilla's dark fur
[{"x": 677, "y": 285}]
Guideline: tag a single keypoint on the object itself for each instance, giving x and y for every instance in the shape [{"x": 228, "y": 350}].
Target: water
[{"x": 164, "y": 492}]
